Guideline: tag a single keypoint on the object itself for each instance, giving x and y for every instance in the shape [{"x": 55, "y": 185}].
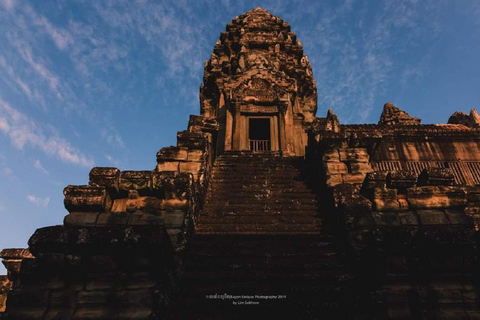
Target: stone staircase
[
  {"x": 261, "y": 233},
  {"x": 258, "y": 194}
]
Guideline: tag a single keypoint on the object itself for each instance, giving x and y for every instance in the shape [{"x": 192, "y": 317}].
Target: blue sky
[{"x": 108, "y": 83}]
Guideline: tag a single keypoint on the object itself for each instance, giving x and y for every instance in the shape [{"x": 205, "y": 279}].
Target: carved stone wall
[{"x": 411, "y": 219}]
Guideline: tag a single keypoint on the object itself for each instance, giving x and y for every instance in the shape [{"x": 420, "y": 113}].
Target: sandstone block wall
[
  {"x": 119, "y": 253},
  {"x": 345, "y": 165}
]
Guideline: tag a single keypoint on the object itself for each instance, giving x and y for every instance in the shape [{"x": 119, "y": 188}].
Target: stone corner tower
[{"x": 258, "y": 84}]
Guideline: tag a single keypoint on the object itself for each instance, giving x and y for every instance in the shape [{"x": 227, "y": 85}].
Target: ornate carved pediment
[{"x": 257, "y": 90}]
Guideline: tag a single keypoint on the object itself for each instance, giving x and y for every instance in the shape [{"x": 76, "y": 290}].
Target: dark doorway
[{"x": 259, "y": 134}]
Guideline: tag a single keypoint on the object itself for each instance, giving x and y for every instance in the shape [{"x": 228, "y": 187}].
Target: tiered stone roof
[{"x": 259, "y": 58}]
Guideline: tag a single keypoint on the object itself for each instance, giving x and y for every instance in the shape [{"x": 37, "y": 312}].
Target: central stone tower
[{"x": 258, "y": 85}]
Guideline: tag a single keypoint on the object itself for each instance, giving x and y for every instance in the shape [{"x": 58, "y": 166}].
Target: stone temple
[{"x": 264, "y": 210}]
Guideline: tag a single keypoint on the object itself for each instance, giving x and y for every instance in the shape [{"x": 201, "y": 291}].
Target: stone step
[
  {"x": 240, "y": 214},
  {"x": 248, "y": 178},
  {"x": 252, "y": 190},
  {"x": 259, "y": 185},
  {"x": 253, "y": 229},
  {"x": 262, "y": 202},
  {"x": 258, "y": 220},
  {"x": 258, "y": 213},
  {"x": 262, "y": 195},
  {"x": 259, "y": 194},
  {"x": 327, "y": 254},
  {"x": 267, "y": 243}
]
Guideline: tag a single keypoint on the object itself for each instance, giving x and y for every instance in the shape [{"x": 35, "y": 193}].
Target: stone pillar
[
  {"x": 236, "y": 129},
  {"x": 283, "y": 133},
  {"x": 228, "y": 130}
]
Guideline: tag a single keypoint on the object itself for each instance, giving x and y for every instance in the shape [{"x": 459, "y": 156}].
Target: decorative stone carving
[
  {"x": 436, "y": 177},
  {"x": 392, "y": 115},
  {"x": 87, "y": 199},
  {"x": 470, "y": 120}
]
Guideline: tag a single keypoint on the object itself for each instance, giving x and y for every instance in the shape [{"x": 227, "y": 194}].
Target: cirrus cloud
[
  {"x": 38, "y": 201},
  {"x": 24, "y": 131}
]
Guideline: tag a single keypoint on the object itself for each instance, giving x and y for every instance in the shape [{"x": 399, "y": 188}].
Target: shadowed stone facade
[{"x": 262, "y": 208}]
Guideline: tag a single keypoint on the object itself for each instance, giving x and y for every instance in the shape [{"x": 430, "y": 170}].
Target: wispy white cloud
[
  {"x": 25, "y": 51},
  {"x": 61, "y": 37},
  {"x": 8, "y": 4},
  {"x": 112, "y": 160},
  {"x": 113, "y": 138},
  {"x": 24, "y": 131},
  {"x": 355, "y": 62},
  {"x": 23, "y": 86},
  {"x": 38, "y": 201},
  {"x": 4, "y": 125},
  {"x": 38, "y": 165},
  {"x": 172, "y": 30}
]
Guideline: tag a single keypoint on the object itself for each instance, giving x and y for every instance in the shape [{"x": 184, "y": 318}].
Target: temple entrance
[{"x": 259, "y": 134}]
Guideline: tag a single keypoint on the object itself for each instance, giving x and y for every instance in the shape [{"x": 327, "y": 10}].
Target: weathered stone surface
[
  {"x": 433, "y": 197},
  {"x": 436, "y": 177},
  {"x": 28, "y": 304},
  {"x": 104, "y": 177},
  {"x": 174, "y": 204},
  {"x": 191, "y": 167},
  {"x": 359, "y": 167},
  {"x": 171, "y": 180},
  {"x": 87, "y": 199},
  {"x": 5, "y": 287},
  {"x": 386, "y": 219},
  {"x": 331, "y": 155},
  {"x": 332, "y": 122},
  {"x": 385, "y": 199},
  {"x": 196, "y": 156},
  {"x": 137, "y": 180},
  {"x": 401, "y": 179},
  {"x": 143, "y": 218},
  {"x": 172, "y": 154},
  {"x": 432, "y": 217},
  {"x": 62, "y": 304},
  {"x": 409, "y": 218},
  {"x": 354, "y": 178},
  {"x": 192, "y": 140},
  {"x": 168, "y": 166},
  {"x": 113, "y": 218},
  {"x": 458, "y": 217},
  {"x": 334, "y": 179},
  {"x": 81, "y": 219},
  {"x": 392, "y": 115},
  {"x": 353, "y": 154},
  {"x": 376, "y": 179},
  {"x": 16, "y": 254},
  {"x": 175, "y": 219},
  {"x": 471, "y": 120},
  {"x": 335, "y": 168},
  {"x": 342, "y": 192},
  {"x": 202, "y": 124}
]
